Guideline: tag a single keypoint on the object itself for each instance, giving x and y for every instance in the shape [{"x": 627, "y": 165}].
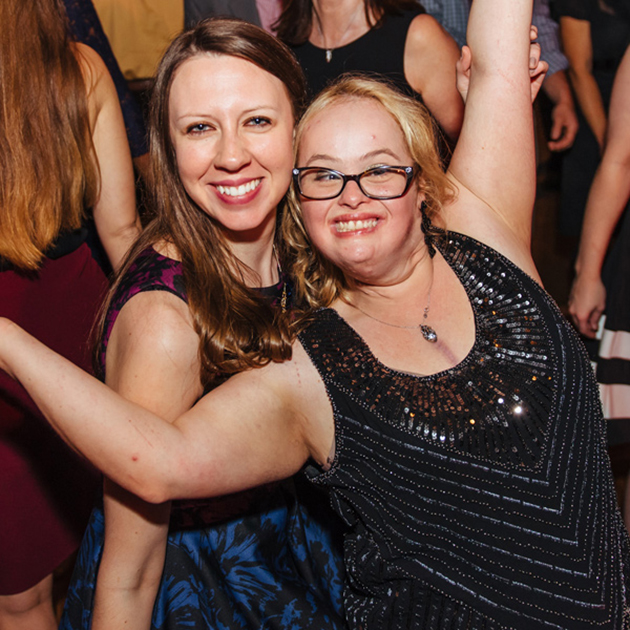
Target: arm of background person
[
  {"x": 578, "y": 48},
  {"x": 115, "y": 214},
  {"x": 152, "y": 360},
  {"x": 494, "y": 170},
  {"x": 564, "y": 122},
  {"x": 430, "y": 58},
  {"x": 606, "y": 202},
  {"x": 229, "y": 441}
]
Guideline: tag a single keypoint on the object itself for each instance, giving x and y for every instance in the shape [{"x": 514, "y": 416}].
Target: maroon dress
[{"x": 46, "y": 490}]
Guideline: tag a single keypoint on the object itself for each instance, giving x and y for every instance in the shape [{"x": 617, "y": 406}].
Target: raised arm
[
  {"x": 153, "y": 337},
  {"x": 430, "y": 58},
  {"x": 606, "y": 202},
  {"x": 494, "y": 161},
  {"x": 260, "y": 426},
  {"x": 115, "y": 214}
]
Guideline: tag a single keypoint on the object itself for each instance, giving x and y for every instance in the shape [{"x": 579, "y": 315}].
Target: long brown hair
[
  {"x": 318, "y": 282},
  {"x": 48, "y": 172},
  {"x": 237, "y": 328},
  {"x": 296, "y": 21}
]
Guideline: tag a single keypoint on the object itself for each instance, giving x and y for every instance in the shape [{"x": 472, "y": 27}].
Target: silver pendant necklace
[
  {"x": 428, "y": 333},
  {"x": 328, "y": 50}
]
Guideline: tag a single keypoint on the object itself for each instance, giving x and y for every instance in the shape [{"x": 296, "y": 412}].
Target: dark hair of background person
[
  {"x": 47, "y": 161},
  {"x": 296, "y": 21},
  {"x": 237, "y": 327}
]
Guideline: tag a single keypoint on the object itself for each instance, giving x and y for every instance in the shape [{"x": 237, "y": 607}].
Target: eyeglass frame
[{"x": 410, "y": 171}]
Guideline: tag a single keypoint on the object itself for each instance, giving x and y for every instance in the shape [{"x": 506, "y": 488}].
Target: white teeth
[
  {"x": 239, "y": 191},
  {"x": 353, "y": 226}
]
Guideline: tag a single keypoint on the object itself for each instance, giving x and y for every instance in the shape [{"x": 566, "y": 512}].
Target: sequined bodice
[{"x": 481, "y": 496}]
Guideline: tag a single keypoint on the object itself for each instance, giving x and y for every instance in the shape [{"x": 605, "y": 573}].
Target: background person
[{"x": 63, "y": 150}]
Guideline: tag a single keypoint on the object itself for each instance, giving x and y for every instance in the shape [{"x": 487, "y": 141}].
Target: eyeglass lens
[{"x": 320, "y": 183}]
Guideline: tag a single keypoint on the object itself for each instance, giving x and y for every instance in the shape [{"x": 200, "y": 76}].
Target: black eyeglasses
[{"x": 378, "y": 182}]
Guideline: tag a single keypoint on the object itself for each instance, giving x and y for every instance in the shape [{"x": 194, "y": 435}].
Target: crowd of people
[{"x": 322, "y": 381}]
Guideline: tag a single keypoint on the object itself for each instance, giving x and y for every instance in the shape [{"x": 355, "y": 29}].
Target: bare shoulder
[
  {"x": 425, "y": 32},
  {"x": 157, "y": 316},
  {"x": 92, "y": 66},
  {"x": 153, "y": 340},
  {"x": 98, "y": 82}
]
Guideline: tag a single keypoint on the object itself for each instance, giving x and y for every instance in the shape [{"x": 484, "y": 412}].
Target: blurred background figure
[
  {"x": 594, "y": 34},
  {"x": 63, "y": 149},
  {"x": 139, "y": 32},
  {"x": 397, "y": 40},
  {"x": 86, "y": 28},
  {"x": 260, "y": 12},
  {"x": 590, "y": 296}
]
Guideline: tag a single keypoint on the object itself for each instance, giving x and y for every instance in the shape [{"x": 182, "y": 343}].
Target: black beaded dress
[{"x": 480, "y": 497}]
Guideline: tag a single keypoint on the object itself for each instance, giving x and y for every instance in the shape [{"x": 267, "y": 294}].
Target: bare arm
[
  {"x": 152, "y": 360},
  {"x": 269, "y": 420},
  {"x": 115, "y": 214},
  {"x": 430, "y": 58},
  {"x": 494, "y": 163},
  {"x": 606, "y": 202},
  {"x": 578, "y": 48}
]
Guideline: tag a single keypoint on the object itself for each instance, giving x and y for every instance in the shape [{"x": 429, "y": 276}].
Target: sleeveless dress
[
  {"x": 257, "y": 559},
  {"x": 46, "y": 490},
  {"x": 480, "y": 497},
  {"x": 380, "y": 52}
]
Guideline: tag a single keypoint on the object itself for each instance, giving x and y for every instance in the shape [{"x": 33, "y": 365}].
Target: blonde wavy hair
[{"x": 318, "y": 282}]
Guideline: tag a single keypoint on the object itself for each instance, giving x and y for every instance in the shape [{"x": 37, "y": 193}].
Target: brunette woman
[
  {"x": 183, "y": 315},
  {"x": 62, "y": 150}
]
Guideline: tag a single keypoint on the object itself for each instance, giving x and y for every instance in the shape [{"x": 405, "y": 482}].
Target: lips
[{"x": 238, "y": 191}]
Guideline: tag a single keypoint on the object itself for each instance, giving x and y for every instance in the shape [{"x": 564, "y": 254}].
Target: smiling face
[
  {"x": 231, "y": 125},
  {"x": 373, "y": 241}
]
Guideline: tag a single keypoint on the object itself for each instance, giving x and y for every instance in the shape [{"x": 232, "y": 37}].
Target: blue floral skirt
[{"x": 258, "y": 559}]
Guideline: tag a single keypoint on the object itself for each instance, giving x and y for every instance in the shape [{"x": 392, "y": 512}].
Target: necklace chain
[
  {"x": 329, "y": 49},
  {"x": 284, "y": 297},
  {"x": 427, "y": 332}
]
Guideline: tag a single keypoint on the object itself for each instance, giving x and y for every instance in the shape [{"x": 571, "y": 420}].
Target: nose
[
  {"x": 352, "y": 195},
  {"x": 232, "y": 153}
]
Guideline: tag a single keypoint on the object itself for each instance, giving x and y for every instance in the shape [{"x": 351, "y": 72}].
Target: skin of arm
[
  {"x": 257, "y": 419},
  {"x": 606, "y": 202},
  {"x": 494, "y": 171},
  {"x": 430, "y": 58},
  {"x": 152, "y": 360},
  {"x": 115, "y": 214},
  {"x": 564, "y": 122},
  {"x": 578, "y": 48}
]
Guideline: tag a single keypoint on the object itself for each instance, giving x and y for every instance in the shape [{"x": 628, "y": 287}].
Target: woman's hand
[{"x": 586, "y": 304}]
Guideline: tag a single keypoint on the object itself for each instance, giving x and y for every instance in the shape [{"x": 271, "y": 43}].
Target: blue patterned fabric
[{"x": 265, "y": 558}]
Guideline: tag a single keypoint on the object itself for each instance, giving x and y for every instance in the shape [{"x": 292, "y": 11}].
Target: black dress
[
  {"x": 380, "y": 52},
  {"x": 480, "y": 497}
]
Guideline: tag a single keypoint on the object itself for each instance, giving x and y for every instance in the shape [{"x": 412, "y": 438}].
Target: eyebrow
[
  {"x": 366, "y": 156},
  {"x": 245, "y": 112}
]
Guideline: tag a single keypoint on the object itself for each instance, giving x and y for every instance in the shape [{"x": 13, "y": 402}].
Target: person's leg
[{"x": 29, "y": 610}]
